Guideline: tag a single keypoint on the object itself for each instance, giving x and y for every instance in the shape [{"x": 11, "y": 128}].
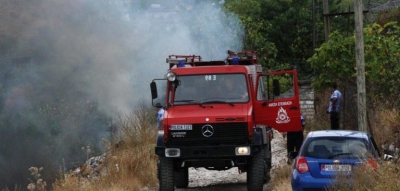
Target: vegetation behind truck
[{"x": 209, "y": 125}]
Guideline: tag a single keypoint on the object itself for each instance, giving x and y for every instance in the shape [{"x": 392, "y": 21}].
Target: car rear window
[{"x": 333, "y": 147}]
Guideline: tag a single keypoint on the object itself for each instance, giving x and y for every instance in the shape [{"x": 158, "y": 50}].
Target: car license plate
[
  {"x": 181, "y": 127},
  {"x": 335, "y": 167}
]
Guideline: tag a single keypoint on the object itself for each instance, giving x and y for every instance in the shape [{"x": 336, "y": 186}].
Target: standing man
[
  {"x": 294, "y": 140},
  {"x": 160, "y": 116},
  {"x": 334, "y": 107}
]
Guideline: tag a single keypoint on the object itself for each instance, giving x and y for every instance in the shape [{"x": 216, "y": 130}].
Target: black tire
[
  {"x": 267, "y": 172},
  {"x": 255, "y": 172},
  {"x": 181, "y": 179},
  {"x": 158, "y": 169},
  {"x": 166, "y": 173},
  {"x": 268, "y": 164}
]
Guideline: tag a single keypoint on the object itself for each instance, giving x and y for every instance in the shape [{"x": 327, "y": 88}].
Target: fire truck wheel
[
  {"x": 181, "y": 178},
  {"x": 268, "y": 164},
  {"x": 255, "y": 172},
  {"x": 166, "y": 174},
  {"x": 267, "y": 175}
]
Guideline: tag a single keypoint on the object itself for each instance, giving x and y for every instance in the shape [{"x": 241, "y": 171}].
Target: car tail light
[
  {"x": 372, "y": 162},
  {"x": 301, "y": 165}
]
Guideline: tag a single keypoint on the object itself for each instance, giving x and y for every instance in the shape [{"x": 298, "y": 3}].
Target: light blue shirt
[
  {"x": 160, "y": 117},
  {"x": 336, "y": 94}
]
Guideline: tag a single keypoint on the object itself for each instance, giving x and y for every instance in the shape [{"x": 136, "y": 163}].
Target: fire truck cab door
[{"x": 277, "y": 102}]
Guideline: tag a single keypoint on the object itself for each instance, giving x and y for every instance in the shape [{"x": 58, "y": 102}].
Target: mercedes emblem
[{"x": 207, "y": 130}]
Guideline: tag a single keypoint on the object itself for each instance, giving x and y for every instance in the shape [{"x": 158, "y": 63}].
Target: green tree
[
  {"x": 279, "y": 31},
  {"x": 335, "y": 61}
]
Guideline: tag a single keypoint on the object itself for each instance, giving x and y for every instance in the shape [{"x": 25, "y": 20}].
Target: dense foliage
[
  {"x": 335, "y": 61},
  {"x": 279, "y": 31}
]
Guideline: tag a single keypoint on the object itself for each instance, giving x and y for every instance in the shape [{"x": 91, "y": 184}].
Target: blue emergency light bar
[{"x": 234, "y": 58}]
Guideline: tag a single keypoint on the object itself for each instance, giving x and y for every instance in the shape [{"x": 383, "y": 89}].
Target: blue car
[{"x": 325, "y": 154}]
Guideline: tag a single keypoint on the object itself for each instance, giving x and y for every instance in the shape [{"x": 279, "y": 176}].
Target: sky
[{"x": 73, "y": 66}]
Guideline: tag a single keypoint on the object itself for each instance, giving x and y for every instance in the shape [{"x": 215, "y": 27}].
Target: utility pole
[
  {"x": 359, "y": 42},
  {"x": 327, "y": 22},
  {"x": 313, "y": 28}
]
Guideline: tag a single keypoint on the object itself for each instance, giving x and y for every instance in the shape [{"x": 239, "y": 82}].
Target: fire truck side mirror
[
  {"x": 276, "y": 87},
  {"x": 153, "y": 88}
]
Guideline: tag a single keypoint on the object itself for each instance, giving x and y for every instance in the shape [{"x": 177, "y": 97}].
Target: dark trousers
[
  {"x": 334, "y": 120},
  {"x": 294, "y": 141}
]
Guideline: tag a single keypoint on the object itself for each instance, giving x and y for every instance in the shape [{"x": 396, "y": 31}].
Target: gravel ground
[{"x": 201, "y": 179}]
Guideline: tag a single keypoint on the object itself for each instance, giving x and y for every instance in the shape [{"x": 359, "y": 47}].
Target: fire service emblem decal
[{"x": 282, "y": 116}]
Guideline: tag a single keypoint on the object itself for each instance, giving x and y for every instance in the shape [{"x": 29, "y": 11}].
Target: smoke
[{"x": 71, "y": 66}]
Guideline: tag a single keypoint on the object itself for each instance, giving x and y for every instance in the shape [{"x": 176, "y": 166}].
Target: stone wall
[{"x": 307, "y": 99}]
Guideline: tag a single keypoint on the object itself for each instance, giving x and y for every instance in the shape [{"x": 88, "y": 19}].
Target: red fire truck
[{"x": 220, "y": 115}]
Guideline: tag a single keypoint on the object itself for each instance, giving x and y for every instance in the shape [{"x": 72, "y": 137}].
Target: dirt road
[{"x": 201, "y": 179}]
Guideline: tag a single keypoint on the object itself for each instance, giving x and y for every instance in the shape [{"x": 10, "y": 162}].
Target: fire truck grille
[{"x": 210, "y": 134}]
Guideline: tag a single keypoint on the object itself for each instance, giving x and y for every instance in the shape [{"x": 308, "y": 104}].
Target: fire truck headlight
[
  {"x": 171, "y": 76},
  {"x": 172, "y": 152},
  {"x": 242, "y": 150}
]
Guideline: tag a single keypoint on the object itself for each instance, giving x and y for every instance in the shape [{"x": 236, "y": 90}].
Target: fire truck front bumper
[{"x": 207, "y": 151}]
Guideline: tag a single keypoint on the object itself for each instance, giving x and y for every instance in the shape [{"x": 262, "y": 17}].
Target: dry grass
[
  {"x": 130, "y": 163},
  {"x": 132, "y": 149},
  {"x": 365, "y": 178},
  {"x": 385, "y": 125},
  {"x": 280, "y": 180},
  {"x": 38, "y": 183}
]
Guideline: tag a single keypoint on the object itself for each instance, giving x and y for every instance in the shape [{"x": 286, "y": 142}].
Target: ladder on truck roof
[
  {"x": 234, "y": 58},
  {"x": 247, "y": 57},
  {"x": 181, "y": 60}
]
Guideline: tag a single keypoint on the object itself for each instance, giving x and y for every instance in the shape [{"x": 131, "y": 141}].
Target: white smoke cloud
[
  {"x": 88, "y": 56},
  {"x": 135, "y": 50}
]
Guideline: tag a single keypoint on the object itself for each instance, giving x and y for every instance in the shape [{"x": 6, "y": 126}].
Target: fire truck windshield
[{"x": 211, "y": 88}]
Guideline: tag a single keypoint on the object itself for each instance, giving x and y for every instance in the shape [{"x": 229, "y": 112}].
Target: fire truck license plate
[
  {"x": 181, "y": 127},
  {"x": 336, "y": 167}
]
